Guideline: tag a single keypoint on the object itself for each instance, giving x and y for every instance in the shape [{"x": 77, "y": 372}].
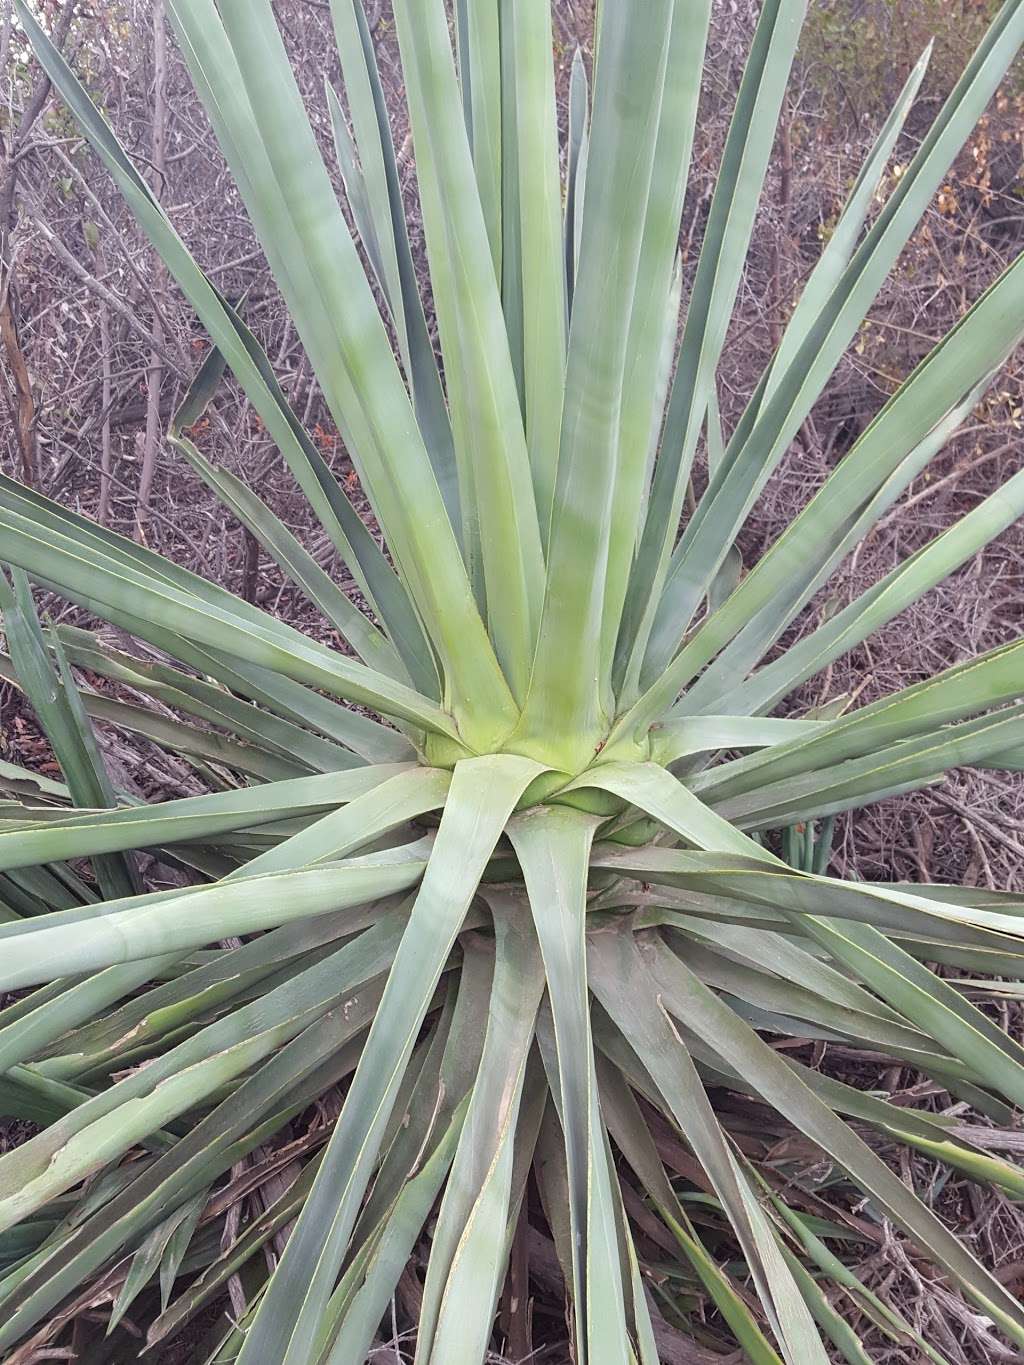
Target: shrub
[{"x": 528, "y": 905}]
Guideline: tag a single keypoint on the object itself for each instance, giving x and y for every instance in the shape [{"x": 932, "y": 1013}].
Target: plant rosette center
[{"x": 565, "y": 781}]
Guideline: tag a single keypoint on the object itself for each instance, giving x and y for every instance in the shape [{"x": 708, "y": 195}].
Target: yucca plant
[{"x": 526, "y": 908}]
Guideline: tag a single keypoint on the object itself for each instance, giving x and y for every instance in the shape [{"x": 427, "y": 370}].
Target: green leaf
[
  {"x": 45, "y": 949},
  {"x": 72, "y": 564},
  {"x": 149, "y": 1257},
  {"x": 191, "y": 817},
  {"x": 731, "y": 493},
  {"x": 653, "y": 328},
  {"x": 109, "y": 1123},
  {"x": 676, "y": 739},
  {"x": 439, "y": 592},
  {"x": 468, "y": 1248},
  {"x": 879, "y": 604},
  {"x": 386, "y": 207},
  {"x": 626, "y": 990},
  {"x": 987, "y": 680},
  {"x": 393, "y": 1248},
  {"x": 553, "y": 846},
  {"x": 279, "y": 1088},
  {"x": 257, "y": 726},
  {"x": 905, "y": 766},
  {"x": 831, "y": 1265},
  {"x": 723, "y": 252},
  {"x": 575, "y": 704},
  {"x": 633, "y": 1138},
  {"x": 480, "y": 73},
  {"x": 914, "y": 424},
  {"x": 374, "y": 650},
  {"x": 842, "y": 240},
  {"x": 716, "y": 1024},
  {"x": 484, "y": 792},
  {"x": 526, "y": 29},
  {"x": 577, "y": 153},
  {"x": 59, "y": 705},
  {"x": 490, "y": 443}
]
